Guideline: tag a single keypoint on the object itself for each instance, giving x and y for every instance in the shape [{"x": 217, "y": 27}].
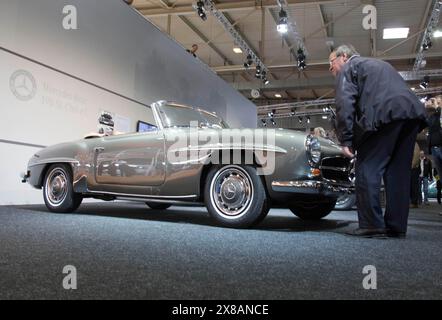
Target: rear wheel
[
  {"x": 313, "y": 210},
  {"x": 58, "y": 191},
  {"x": 158, "y": 206},
  {"x": 235, "y": 196},
  {"x": 345, "y": 202}
]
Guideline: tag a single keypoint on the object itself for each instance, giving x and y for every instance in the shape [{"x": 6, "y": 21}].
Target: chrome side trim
[
  {"x": 268, "y": 148},
  {"x": 190, "y": 197},
  {"x": 159, "y": 201},
  {"x": 53, "y": 160}
]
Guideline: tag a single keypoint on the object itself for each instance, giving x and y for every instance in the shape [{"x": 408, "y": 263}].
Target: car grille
[{"x": 336, "y": 169}]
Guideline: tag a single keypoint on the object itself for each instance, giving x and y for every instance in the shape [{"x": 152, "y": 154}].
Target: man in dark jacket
[{"x": 379, "y": 117}]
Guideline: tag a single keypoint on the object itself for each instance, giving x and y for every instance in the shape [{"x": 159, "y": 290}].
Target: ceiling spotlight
[
  {"x": 258, "y": 71},
  {"x": 301, "y": 59},
  {"x": 270, "y": 114},
  {"x": 292, "y": 112},
  {"x": 264, "y": 77},
  {"x": 282, "y": 26},
  {"x": 201, "y": 10},
  {"x": 424, "y": 84},
  {"x": 278, "y": 95},
  {"x": 427, "y": 44},
  {"x": 302, "y": 66},
  {"x": 264, "y": 122},
  {"x": 308, "y": 119},
  {"x": 249, "y": 61},
  {"x": 300, "y": 119},
  {"x": 237, "y": 49}
]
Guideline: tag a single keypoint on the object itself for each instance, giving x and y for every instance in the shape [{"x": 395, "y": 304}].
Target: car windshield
[
  {"x": 175, "y": 116},
  {"x": 213, "y": 120}
]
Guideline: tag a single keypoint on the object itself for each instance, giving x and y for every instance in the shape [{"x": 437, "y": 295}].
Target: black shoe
[
  {"x": 396, "y": 234},
  {"x": 368, "y": 233}
]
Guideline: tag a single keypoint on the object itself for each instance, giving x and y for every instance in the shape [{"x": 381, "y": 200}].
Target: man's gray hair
[{"x": 347, "y": 49}]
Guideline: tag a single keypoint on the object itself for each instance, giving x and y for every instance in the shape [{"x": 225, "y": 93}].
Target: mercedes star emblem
[{"x": 23, "y": 85}]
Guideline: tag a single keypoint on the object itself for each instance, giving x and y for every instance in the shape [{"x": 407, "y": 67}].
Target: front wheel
[
  {"x": 158, "y": 206},
  {"x": 235, "y": 196},
  {"x": 58, "y": 191},
  {"x": 314, "y": 210}
]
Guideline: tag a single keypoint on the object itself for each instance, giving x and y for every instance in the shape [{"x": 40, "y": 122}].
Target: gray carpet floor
[{"x": 126, "y": 251}]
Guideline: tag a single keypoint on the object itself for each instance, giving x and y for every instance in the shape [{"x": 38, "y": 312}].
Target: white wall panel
[{"x": 116, "y": 61}]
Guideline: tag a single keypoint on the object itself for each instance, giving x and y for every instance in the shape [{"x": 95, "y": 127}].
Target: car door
[{"x": 131, "y": 160}]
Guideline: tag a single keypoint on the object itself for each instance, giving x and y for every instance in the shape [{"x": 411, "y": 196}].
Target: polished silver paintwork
[{"x": 136, "y": 167}]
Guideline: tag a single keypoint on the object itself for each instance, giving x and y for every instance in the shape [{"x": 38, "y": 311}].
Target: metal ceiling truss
[
  {"x": 426, "y": 37},
  {"x": 416, "y": 75},
  {"x": 237, "y": 38},
  {"x": 288, "y": 110},
  {"x": 292, "y": 28},
  {"x": 239, "y": 5},
  {"x": 324, "y": 62},
  {"x": 328, "y": 81}
]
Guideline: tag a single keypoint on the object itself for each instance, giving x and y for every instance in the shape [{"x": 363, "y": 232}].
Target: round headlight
[{"x": 313, "y": 147}]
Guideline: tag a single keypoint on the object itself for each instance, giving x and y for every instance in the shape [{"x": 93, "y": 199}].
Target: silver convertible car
[{"x": 190, "y": 156}]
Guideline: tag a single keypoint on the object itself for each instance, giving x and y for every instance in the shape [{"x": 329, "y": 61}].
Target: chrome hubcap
[
  {"x": 56, "y": 187},
  {"x": 232, "y": 192},
  {"x": 342, "y": 200}
]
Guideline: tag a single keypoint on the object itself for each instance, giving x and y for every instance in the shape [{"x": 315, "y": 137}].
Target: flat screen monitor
[{"x": 145, "y": 126}]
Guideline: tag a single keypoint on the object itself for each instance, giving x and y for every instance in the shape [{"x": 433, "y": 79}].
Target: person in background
[
  {"x": 414, "y": 191},
  {"x": 193, "y": 50},
  {"x": 434, "y": 138},
  {"x": 425, "y": 176},
  {"x": 438, "y": 186},
  {"x": 438, "y": 101},
  {"x": 378, "y": 116},
  {"x": 319, "y": 132}
]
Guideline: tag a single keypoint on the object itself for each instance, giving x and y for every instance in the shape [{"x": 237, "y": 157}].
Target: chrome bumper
[{"x": 311, "y": 187}]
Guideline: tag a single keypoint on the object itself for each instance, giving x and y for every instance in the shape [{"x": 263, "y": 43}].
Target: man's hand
[{"x": 347, "y": 152}]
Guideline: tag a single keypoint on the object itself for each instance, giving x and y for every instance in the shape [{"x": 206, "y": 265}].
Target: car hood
[{"x": 286, "y": 138}]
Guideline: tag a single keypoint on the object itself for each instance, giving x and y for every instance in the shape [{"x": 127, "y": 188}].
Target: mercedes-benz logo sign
[{"x": 23, "y": 85}]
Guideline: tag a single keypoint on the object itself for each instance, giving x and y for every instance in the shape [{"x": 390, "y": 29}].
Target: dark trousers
[
  {"x": 386, "y": 154},
  {"x": 415, "y": 186}
]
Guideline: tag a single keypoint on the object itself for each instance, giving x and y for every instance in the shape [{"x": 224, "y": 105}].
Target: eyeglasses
[{"x": 333, "y": 60}]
